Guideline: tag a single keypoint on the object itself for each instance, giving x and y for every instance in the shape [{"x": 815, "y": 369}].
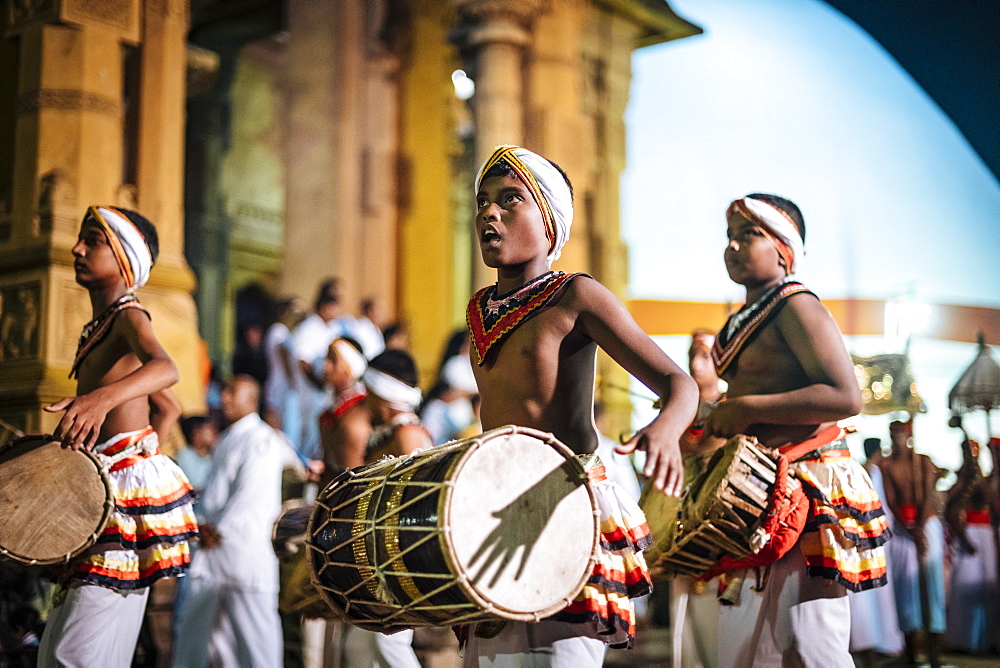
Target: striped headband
[
  {"x": 127, "y": 244},
  {"x": 776, "y": 226},
  {"x": 354, "y": 360},
  {"x": 547, "y": 186}
]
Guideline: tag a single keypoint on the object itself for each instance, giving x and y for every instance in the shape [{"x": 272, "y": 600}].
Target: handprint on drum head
[{"x": 522, "y": 523}]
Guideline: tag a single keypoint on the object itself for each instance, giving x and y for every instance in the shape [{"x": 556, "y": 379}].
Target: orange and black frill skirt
[
  {"x": 148, "y": 533},
  {"x": 604, "y": 607}
]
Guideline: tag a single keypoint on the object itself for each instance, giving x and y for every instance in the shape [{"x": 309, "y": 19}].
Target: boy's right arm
[{"x": 606, "y": 320}]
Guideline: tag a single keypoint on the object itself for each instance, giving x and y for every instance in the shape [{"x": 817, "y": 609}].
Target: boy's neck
[
  {"x": 104, "y": 296},
  {"x": 511, "y": 278},
  {"x": 756, "y": 290}
]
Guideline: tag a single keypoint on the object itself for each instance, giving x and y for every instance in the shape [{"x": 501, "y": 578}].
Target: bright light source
[{"x": 464, "y": 86}]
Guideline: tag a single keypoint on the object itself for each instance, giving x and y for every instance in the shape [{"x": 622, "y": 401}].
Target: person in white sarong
[
  {"x": 230, "y": 611},
  {"x": 974, "y": 598}
]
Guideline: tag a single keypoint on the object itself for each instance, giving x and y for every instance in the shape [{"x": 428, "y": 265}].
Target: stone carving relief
[
  {"x": 20, "y": 12},
  {"x": 20, "y": 307},
  {"x": 56, "y": 204},
  {"x": 67, "y": 99}
]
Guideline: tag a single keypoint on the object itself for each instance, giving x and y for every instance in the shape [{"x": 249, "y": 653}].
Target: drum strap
[{"x": 812, "y": 448}]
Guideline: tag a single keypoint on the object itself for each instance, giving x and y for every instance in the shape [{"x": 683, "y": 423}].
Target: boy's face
[
  {"x": 751, "y": 258},
  {"x": 94, "y": 260},
  {"x": 509, "y": 223}
]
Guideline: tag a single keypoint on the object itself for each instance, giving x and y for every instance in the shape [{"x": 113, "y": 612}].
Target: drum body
[
  {"x": 502, "y": 525},
  {"x": 721, "y": 510},
  {"x": 54, "y": 502},
  {"x": 297, "y": 594}
]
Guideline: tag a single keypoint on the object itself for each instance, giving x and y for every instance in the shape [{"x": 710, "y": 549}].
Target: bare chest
[{"x": 766, "y": 365}]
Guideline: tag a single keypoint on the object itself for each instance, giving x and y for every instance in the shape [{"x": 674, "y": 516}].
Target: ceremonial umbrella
[{"x": 979, "y": 386}]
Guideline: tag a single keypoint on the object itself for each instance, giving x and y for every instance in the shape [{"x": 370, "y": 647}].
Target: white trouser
[
  {"x": 94, "y": 626},
  {"x": 236, "y": 627}
]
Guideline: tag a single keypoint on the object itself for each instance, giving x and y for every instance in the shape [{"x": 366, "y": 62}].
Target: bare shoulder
[
  {"x": 592, "y": 300},
  {"x": 133, "y": 320},
  {"x": 413, "y": 437},
  {"x": 806, "y": 311}
]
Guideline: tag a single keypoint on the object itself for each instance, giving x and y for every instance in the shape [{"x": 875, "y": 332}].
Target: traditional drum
[
  {"x": 54, "y": 502},
  {"x": 297, "y": 594},
  {"x": 503, "y": 525},
  {"x": 663, "y": 512},
  {"x": 723, "y": 509}
]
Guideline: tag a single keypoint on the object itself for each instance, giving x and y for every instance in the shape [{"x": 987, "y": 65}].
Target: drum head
[
  {"x": 53, "y": 501},
  {"x": 522, "y": 524}
]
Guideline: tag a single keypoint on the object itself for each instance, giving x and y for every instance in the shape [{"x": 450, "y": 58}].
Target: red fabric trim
[
  {"x": 485, "y": 338},
  {"x": 184, "y": 488},
  {"x": 795, "y": 450},
  {"x": 723, "y": 357},
  {"x": 973, "y": 516}
]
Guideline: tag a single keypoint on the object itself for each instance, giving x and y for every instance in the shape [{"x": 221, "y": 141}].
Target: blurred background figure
[
  {"x": 195, "y": 458},
  {"x": 310, "y": 342},
  {"x": 971, "y": 513},
  {"x": 250, "y": 356},
  {"x": 368, "y": 326},
  {"x": 345, "y": 424},
  {"x": 396, "y": 336},
  {"x": 447, "y": 409},
  {"x": 916, "y": 551},
  {"x": 279, "y": 400},
  {"x": 874, "y": 620}
]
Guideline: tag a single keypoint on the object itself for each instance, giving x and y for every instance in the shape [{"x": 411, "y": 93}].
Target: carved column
[
  {"x": 76, "y": 142},
  {"x": 495, "y": 34}
]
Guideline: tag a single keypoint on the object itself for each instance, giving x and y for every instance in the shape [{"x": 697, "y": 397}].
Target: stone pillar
[
  {"x": 71, "y": 139},
  {"x": 432, "y": 248},
  {"x": 495, "y": 37}
]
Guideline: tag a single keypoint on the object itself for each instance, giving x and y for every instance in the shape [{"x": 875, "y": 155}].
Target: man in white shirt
[{"x": 230, "y": 609}]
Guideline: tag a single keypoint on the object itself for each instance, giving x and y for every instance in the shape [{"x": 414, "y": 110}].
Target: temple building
[{"x": 275, "y": 144}]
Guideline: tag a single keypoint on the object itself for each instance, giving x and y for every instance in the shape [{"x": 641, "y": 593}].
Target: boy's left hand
[
  {"x": 728, "y": 418},
  {"x": 80, "y": 426},
  {"x": 664, "y": 465}
]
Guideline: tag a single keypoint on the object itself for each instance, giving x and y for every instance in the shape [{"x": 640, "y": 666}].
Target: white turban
[
  {"x": 400, "y": 396},
  {"x": 548, "y": 187},
  {"x": 777, "y": 226},
  {"x": 128, "y": 244}
]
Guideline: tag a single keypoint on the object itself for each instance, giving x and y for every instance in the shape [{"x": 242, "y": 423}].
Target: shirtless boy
[
  {"x": 344, "y": 426},
  {"x": 790, "y": 380},
  {"x": 917, "y": 553},
  {"x": 535, "y": 338},
  {"x": 120, "y": 367}
]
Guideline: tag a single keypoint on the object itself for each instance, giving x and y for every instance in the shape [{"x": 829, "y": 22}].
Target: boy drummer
[
  {"x": 535, "y": 338},
  {"x": 119, "y": 366},
  {"x": 790, "y": 380}
]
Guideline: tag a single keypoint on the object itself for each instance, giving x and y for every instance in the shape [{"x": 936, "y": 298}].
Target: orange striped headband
[{"x": 506, "y": 154}]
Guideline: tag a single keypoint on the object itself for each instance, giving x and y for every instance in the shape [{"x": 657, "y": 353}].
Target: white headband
[
  {"x": 548, "y": 187},
  {"x": 777, "y": 222},
  {"x": 355, "y": 361},
  {"x": 400, "y": 396},
  {"x": 132, "y": 243}
]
